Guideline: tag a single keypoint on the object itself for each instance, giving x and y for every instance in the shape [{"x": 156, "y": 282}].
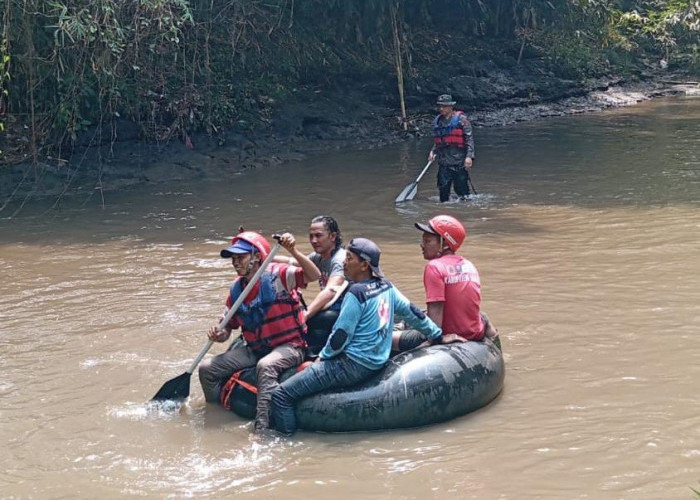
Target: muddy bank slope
[{"x": 359, "y": 115}]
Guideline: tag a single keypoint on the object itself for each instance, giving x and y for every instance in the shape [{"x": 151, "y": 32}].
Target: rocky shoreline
[{"x": 320, "y": 122}]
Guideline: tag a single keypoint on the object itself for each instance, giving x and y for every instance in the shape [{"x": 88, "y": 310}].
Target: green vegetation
[
  {"x": 4, "y": 81},
  {"x": 175, "y": 67}
]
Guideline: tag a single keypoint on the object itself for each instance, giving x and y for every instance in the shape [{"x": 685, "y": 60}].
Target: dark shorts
[
  {"x": 410, "y": 339},
  {"x": 320, "y": 327}
]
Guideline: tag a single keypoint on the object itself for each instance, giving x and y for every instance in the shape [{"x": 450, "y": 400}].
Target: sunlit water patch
[
  {"x": 124, "y": 358},
  {"x": 150, "y": 410},
  {"x": 194, "y": 471},
  {"x": 473, "y": 199}
]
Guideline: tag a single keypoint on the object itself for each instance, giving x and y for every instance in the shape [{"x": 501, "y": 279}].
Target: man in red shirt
[
  {"x": 452, "y": 286},
  {"x": 271, "y": 320}
]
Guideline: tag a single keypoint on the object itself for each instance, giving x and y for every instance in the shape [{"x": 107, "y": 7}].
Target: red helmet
[
  {"x": 446, "y": 227},
  {"x": 257, "y": 240}
]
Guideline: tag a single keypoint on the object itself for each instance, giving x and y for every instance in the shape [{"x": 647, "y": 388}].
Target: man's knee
[
  {"x": 409, "y": 339},
  {"x": 265, "y": 368},
  {"x": 270, "y": 367},
  {"x": 205, "y": 371},
  {"x": 395, "y": 341},
  {"x": 210, "y": 384}
]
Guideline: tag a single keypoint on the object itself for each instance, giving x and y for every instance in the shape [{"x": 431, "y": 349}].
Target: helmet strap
[
  {"x": 253, "y": 260},
  {"x": 444, "y": 249}
]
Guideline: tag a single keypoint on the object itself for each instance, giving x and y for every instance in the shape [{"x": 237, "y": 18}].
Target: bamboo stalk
[
  {"x": 29, "y": 63},
  {"x": 399, "y": 66}
]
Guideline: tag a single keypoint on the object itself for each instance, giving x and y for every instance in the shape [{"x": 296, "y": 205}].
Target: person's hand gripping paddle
[{"x": 178, "y": 388}]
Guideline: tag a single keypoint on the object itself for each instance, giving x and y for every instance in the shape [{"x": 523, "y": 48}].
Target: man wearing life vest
[
  {"x": 453, "y": 147},
  {"x": 271, "y": 320},
  {"x": 452, "y": 287}
]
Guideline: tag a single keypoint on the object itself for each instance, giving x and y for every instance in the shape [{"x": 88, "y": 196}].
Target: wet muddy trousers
[
  {"x": 215, "y": 371},
  {"x": 447, "y": 176}
]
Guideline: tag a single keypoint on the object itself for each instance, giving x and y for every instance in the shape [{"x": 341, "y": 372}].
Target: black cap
[{"x": 425, "y": 228}]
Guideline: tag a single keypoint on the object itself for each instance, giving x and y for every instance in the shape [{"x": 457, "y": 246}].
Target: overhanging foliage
[{"x": 176, "y": 66}]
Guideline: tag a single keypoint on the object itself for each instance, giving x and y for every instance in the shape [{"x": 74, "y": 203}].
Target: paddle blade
[
  {"x": 176, "y": 388},
  {"x": 408, "y": 193}
]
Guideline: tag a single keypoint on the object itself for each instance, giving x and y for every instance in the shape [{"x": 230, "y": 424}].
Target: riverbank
[{"x": 313, "y": 122}]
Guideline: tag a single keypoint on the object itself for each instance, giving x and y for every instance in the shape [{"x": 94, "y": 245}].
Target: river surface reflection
[{"x": 585, "y": 231}]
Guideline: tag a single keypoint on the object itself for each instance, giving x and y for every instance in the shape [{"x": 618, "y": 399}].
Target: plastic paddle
[
  {"x": 178, "y": 388},
  {"x": 409, "y": 192}
]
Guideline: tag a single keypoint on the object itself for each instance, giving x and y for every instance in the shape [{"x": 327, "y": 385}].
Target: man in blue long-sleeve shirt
[{"x": 360, "y": 342}]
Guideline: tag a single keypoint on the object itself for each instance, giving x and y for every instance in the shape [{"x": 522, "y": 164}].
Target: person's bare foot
[{"x": 491, "y": 332}]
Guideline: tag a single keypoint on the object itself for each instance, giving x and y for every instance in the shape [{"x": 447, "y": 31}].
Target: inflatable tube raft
[{"x": 417, "y": 387}]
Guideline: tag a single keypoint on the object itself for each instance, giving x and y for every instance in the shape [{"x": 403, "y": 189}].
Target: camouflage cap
[{"x": 446, "y": 100}]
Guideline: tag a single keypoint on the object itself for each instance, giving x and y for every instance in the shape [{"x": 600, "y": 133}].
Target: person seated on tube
[
  {"x": 270, "y": 318},
  {"x": 452, "y": 287},
  {"x": 329, "y": 257},
  {"x": 360, "y": 342}
]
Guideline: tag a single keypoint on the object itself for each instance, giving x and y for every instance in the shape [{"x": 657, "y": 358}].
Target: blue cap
[
  {"x": 368, "y": 251},
  {"x": 239, "y": 247}
]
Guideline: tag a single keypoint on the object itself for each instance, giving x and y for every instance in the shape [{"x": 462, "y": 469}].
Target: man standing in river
[{"x": 453, "y": 148}]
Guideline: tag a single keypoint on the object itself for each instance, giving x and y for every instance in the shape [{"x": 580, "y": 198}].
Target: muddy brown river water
[{"x": 586, "y": 232}]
